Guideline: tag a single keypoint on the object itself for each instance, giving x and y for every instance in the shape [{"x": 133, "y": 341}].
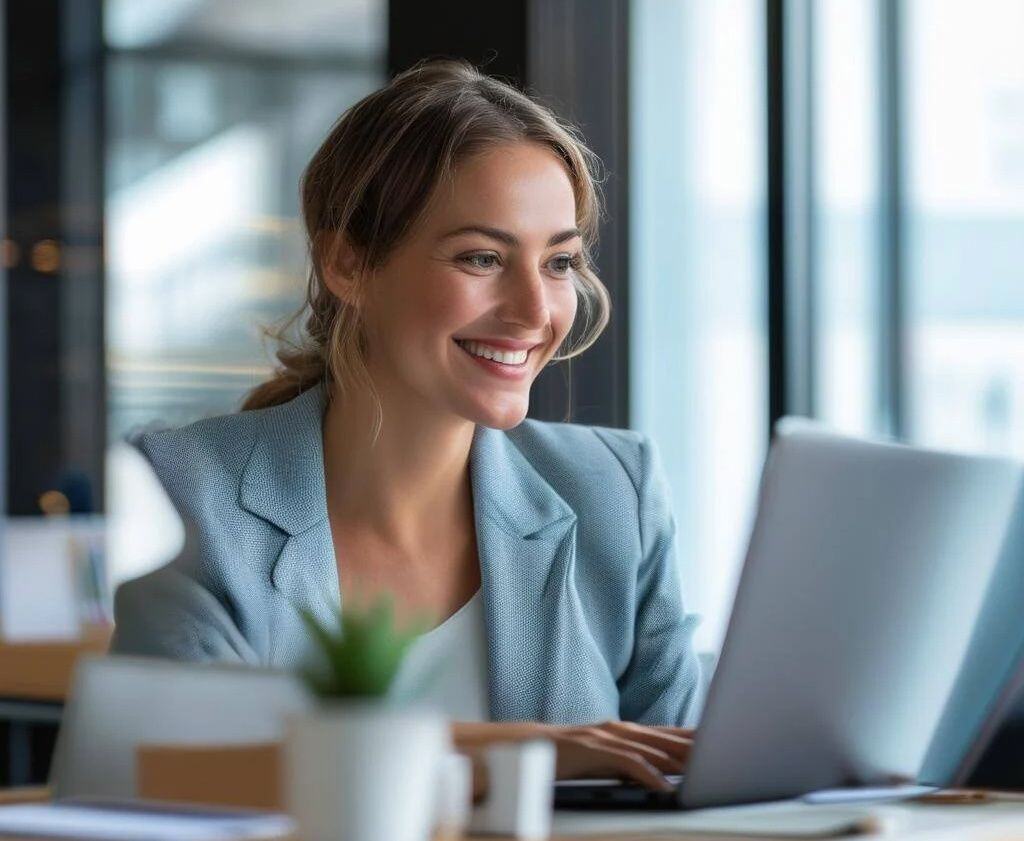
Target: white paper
[
  {"x": 38, "y": 588},
  {"x": 137, "y": 823},
  {"x": 785, "y": 819}
]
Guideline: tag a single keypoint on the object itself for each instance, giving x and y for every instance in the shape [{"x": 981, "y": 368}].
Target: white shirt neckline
[{"x": 446, "y": 668}]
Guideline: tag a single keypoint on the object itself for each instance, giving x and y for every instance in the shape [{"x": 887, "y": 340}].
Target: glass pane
[
  {"x": 698, "y": 344},
  {"x": 211, "y": 117},
  {"x": 846, "y": 206},
  {"x": 965, "y": 189},
  {"x": 209, "y": 127}
]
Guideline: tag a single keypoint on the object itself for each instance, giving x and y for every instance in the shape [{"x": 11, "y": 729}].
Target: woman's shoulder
[
  {"x": 222, "y": 444},
  {"x": 591, "y": 451},
  {"x": 222, "y": 441}
]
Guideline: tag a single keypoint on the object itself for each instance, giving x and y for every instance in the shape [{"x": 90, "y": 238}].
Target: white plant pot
[{"x": 364, "y": 771}]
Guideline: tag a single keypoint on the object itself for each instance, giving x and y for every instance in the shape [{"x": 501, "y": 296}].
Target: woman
[{"x": 450, "y": 221}]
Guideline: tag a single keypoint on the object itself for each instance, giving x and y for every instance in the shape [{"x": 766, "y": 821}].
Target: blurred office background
[{"x": 815, "y": 207}]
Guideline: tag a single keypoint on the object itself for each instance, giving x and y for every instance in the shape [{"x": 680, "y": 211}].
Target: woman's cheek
[
  {"x": 451, "y": 300},
  {"x": 566, "y": 313}
]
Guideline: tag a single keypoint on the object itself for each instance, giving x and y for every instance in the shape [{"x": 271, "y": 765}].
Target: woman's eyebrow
[{"x": 506, "y": 237}]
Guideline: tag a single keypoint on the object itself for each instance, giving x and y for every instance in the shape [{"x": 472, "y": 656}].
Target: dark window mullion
[
  {"x": 891, "y": 408},
  {"x": 790, "y": 240},
  {"x": 801, "y": 315},
  {"x": 778, "y": 378}
]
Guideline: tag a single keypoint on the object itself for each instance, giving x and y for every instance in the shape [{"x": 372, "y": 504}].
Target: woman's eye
[
  {"x": 563, "y": 263},
  {"x": 471, "y": 258}
]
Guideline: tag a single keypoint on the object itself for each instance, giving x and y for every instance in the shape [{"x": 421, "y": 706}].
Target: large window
[
  {"x": 211, "y": 117},
  {"x": 964, "y": 94},
  {"x": 845, "y": 175},
  {"x": 920, "y": 269},
  {"x": 901, "y": 287},
  {"x": 698, "y": 366}
]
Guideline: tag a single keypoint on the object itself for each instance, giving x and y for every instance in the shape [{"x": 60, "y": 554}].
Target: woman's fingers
[
  {"x": 684, "y": 732},
  {"x": 675, "y": 745},
  {"x": 637, "y": 768},
  {"x": 584, "y": 756},
  {"x": 681, "y": 732},
  {"x": 661, "y": 760}
]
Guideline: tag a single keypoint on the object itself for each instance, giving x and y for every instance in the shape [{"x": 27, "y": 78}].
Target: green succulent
[{"x": 359, "y": 653}]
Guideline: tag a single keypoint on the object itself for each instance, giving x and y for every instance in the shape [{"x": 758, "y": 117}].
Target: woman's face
[{"x": 487, "y": 271}]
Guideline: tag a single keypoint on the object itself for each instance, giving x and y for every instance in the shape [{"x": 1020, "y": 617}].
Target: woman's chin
[{"x": 501, "y": 417}]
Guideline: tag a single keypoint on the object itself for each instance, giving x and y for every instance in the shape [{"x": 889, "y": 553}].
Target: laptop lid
[
  {"x": 982, "y": 724},
  {"x": 865, "y": 571}
]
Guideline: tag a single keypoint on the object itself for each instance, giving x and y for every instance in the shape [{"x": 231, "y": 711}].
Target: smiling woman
[{"x": 450, "y": 220}]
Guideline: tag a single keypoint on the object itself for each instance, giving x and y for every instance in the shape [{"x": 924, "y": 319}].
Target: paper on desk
[
  {"x": 137, "y": 823},
  {"x": 789, "y": 819}
]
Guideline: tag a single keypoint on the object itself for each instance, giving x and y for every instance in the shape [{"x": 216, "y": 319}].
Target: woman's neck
[{"x": 411, "y": 483}]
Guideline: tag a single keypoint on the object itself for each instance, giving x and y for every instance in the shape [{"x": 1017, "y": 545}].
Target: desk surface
[
  {"x": 41, "y": 671},
  {"x": 994, "y": 821}
]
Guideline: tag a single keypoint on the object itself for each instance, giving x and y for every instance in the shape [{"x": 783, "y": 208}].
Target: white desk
[{"x": 993, "y": 821}]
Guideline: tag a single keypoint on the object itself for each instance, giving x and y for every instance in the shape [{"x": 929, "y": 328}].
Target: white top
[{"x": 446, "y": 668}]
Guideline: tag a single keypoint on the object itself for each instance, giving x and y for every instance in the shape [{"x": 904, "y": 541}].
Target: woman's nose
[{"x": 525, "y": 299}]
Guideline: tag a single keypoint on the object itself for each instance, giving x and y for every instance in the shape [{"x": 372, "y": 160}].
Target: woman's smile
[{"x": 511, "y": 364}]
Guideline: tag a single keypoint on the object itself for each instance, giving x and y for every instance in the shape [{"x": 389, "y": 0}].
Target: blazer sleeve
[
  {"x": 662, "y": 684},
  {"x": 170, "y": 614}
]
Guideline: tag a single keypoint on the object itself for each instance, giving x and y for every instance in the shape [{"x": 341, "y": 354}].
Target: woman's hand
[{"x": 610, "y": 749}]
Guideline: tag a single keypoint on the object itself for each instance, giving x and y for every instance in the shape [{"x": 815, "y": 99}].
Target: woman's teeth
[{"x": 505, "y": 357}]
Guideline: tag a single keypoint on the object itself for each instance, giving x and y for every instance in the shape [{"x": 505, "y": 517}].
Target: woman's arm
[
  {"x": 661, "y": 685},
  {"x": 168, "y": 614}
]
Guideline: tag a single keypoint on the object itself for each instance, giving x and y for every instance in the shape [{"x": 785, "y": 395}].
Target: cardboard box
[{"x": 247, "y": 776}]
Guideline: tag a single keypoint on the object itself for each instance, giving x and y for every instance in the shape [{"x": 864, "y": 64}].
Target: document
[{"x": 139, "y": 822}]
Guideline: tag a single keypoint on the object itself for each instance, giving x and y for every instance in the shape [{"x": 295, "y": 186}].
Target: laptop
[
  {"x": 866, "y": 569},
  {"x": 117, "y": 703}
]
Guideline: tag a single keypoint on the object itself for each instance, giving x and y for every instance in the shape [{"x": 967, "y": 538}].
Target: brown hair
[{"x": 372, "y": 178}]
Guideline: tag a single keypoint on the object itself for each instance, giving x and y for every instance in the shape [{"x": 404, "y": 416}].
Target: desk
[
  {"x": 246, "y": 775},
  {"x": 34, "y": 680},
  {"x": 998, "y": 821}
]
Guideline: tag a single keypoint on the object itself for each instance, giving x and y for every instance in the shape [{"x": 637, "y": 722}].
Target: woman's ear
[{"x": 340, "y": 266}]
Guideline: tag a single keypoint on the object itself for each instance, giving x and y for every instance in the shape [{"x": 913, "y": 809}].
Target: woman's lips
[{"x": 500, "y": 369}]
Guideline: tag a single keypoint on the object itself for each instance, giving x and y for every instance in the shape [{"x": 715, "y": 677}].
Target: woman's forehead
[{"x": 529, "y": 194}]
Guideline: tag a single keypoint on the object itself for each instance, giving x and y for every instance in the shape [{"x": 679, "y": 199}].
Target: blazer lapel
[
  {"x": 526, "y": 544},
  {"x": 526, "y": 540},
  {"x": 283, "y": 482}
]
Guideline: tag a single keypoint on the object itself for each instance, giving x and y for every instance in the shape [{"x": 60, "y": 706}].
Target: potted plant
[{"x": 360, "y": 767}]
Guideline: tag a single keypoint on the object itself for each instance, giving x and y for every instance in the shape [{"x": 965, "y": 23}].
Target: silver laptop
[
  {"x": 118, "y": 703},
  {"x": 864, "y": 576}
]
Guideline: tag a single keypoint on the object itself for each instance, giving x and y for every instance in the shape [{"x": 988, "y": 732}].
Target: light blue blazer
[{"x": 584, "y": 615}]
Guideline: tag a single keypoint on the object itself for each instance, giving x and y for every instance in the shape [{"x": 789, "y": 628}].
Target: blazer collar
[
  {"x": 283, "y": 479},
  {"x": 508, "y": 489},
  {"x": 526, "y": 542}
]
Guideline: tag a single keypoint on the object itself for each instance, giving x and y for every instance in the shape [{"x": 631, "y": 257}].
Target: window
[
  {"x": 903, "y": 127},
  {"x": 211, "y": 118},
  {"x": 698, "y": 368},
  {"x": 964, "y": 94},
  {"x": 845, "y": 175}
]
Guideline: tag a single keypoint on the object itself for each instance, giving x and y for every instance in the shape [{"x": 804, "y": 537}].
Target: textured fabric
[
  {"x": 445, "y": 669},
  {"x": 575, "y": 538}
]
